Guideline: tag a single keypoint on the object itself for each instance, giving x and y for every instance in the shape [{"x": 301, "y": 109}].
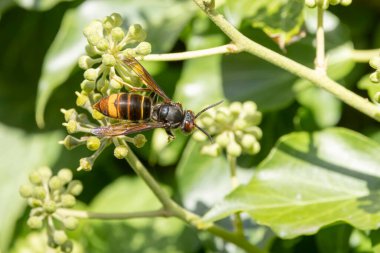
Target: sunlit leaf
[
  {"x": 39, "y": 5},
  {"x": 19, "y": 154},
  {"x": 311, "y": 180},
  {"x": 163, "y": 21}
]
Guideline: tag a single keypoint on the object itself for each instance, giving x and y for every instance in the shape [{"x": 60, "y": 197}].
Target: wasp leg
[{"x": 171, "y": 136}]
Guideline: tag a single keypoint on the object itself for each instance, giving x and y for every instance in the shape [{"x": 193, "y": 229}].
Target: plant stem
[
  {"x": 225, "y": 49},
  {"x": 364, "y": 55},
  {"x": 237, "y": 221},
  {"x": 320, "y": 61},
  {"x": 111, "y": 216},
  {"x": 322, "y": 81},
  {"x": 173, "y": 209}
]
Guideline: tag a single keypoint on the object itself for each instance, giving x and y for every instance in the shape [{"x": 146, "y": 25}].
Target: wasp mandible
[{"x": 142, "y": 113}]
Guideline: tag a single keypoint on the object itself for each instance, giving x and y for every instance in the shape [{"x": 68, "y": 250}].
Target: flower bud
[
  {"x": 144, "y": 48},
  {"x": 334, "y": 2},
  {"x": 49, "y": 206},
  {"x": 108, "y": 60},
  {"x": 254, "y": 149},
  {"x": 67, "y": 246},
  {"x": 39, "y": 192},
  {"x": 120, "y": 152},
  {"x": 91, "y": 74},
  {"x": 32, "y": 202},
  {"x": 71, "y": 142},
  {"x": 93, "y": 39},
  {"x": 103, "y": 44},
  {"x": 85, "y": 164},
  {"x": 75, "y": 187},
  {"x": 248, "y": 140},
  {"x": 87, "y": 86},
  {"x": 69, "y": 114},
  {"x": 346, "y": 2},
  {"x": 91, "y": 51},
  {"x": 375, "y": 77},
  {"x": 55, "y": 183},
  {"x": 65, "y": 175},
  {"x": 374, "y": 62},
  {"x": 310, "y": 3},
  {"x": 139, "y": 140},
  {"x": 85, "y": 62},
  {"x": 35, "y": 178},
  {"x": 26, "y": 190},
  {"x": 207, "y": 121},
  {"x": 223, "y": 115},
  {"x": 108, "y": 23},
  {"x": 114, "y": 84},
  {"x": 118, "y": 20},
  {"x": 223, "y": 139},
  {"x": 34, "y": 222},
  {"x": 240, "y": 124},
  {"x": 82, "y": 99},
  {"x": 136, "y": 33},
  {"x": 93, "y": 143},
  {"x": 117, "y": 34},
  {"x": 70, "y": 223},
  {"x": 95, "y": 27},
  {"x": 236, "y": 108},
  {"x": 256, "y": 131},
  {"x": 45, "y": 173},
  {"x": 199, "y": 136},
  {"x": 234, "y": 149},
  {"x": 249, "y": 107},
  {"x": 68, "y": 200},
  {"x": 211, "y": 150},
  {"x": 59, "y": 237},
  {"x": 97, "y": 115}
]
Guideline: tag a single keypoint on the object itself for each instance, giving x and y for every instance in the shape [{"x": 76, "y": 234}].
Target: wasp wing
[
  {"x": 125, "y": 129},
  {"x": 148, "y": 80}
]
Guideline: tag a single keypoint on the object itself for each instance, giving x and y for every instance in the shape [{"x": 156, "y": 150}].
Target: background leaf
[
  {"x": 20, "y": 153},
  {"x": 311, "y": 180}
]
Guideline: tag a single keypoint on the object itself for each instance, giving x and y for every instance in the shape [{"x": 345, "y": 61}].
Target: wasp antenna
[
  {"x": 208, "y": 107},
  {"x": 204, "y": 131}
]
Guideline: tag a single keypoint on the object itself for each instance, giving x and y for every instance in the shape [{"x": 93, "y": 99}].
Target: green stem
[
  {"x": 111, "y": 216},
  {"x": 323, "y": 81},
  {"x": 364, "y": 55},
  {"x": 320, "y": 61},
  {"x": 229, "y": 48},
  {"x": 173, "y": 209},
  {"x": 237, "y": 221}
]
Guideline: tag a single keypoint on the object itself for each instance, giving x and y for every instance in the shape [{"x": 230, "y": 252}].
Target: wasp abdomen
[{"x": 126, "y": 106}]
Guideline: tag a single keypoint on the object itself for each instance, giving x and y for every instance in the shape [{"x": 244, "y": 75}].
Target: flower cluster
[
  {"x": 326, "y": 3},
  {"x": 105, "y": 73},
  {"x": 234, "y": 128},
  {"x": 47, "y": 195},
  {"x": 375, "y": 63}
]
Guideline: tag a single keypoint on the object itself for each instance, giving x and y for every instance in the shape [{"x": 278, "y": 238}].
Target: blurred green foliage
[{"x": 41, "y": 41}]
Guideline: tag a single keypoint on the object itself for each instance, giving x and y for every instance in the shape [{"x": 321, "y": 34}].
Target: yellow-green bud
[
  {"x": 39, "y": 192},
  {"x": 144, "y": 48},
  {"x": 346, "y": 2},
  {"x": 139, "y": 140},
  {"x": 87, "y": 86},
  {"x": 120, "y": 152},
  {"x": 376, "y": 97},
  {"x": 32, "y": 202},
  {"x": 375, "y": 77},
  {"x": 207, "y": 121},
  {"x": 254, "y": 149},
  {"x": 71, "y": 126},
  {"x": 97, "y": 115},
  {"x": 82, "y": 99},
  {"x": 70, "y": 223},
  {"x": 108, "y": 60},
  {"x": 55, "y": 183},
  {"x": 26, "y": 190},
  {"x": 51, "y": 243},
  {"x": 236, "y": 108},
  {"x": 102, "y": 85},
  {"x": 93, "y": 39},
  {"x": 85, "y": 164},
  {"x": 35, "y": 178},
  {"x": 93, "y": 143},
  {"x": 71, "y": 142},
  {"x": 50, "y": 206},
  {"x": 136, "y": 33},
  {"x": 114, "y": 84},
  {"x": 118, "y": 20},
  {"x": 117, "y": 34},
  {"x": 211, "y": 150},
  {"x": 223, "y": 139},
  {"x": 91, "y": 51},
  {"x": 67, "y": 247},
  {"x": 34, "y": 222},
  {"x": 65, "y": 175},
  {"x": 59, "y": 237},
  {"x": 256, "y": 131},
  {"x": 68, "y": 200},
  {"x": 374, "y": 62},
  {"x": 199, "y": 136},
  {"x": 234, "y": 149},
  {"x": 95, "y": 27},
  {"x": 85, "y": 62},
  {"x": 102, "y": 44},
  {"x": 310, "y": 3},
  {"x": 108, "y": 23},
  {"x": 239, "y": 124},
  {"x": 334, "y": 2},
  {"x": 223, "y": 115},
  {"x": 91, "y": 74},
  {"x": 69, "y": 114},
  {"x": 45, "y": 173},
  {"x": 249, "y": 107},
  {"x": 248, "y": 141},
  {"x": 75, "y": 187}
]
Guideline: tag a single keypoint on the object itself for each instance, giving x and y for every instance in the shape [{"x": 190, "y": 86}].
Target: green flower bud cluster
[
  {"x": 46, "y": 194},
  {"x": 325, "y": 3},
  {"x": 233, "y": 127},
  {"x": 375, "y": 76},
  {"x": 105, "y": 73}
]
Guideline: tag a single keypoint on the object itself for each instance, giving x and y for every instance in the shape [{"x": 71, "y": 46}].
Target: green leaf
[
  {"x": 19, "y": 154},
  {"x": 39, "y": 5},
  {"x": 311, "y": 180},
  {"x": 246, "y": 77},
  {"x": 341, "y": 234},
  {"x": 155, "y": 17},
  {"x": 137, "y": 235}
]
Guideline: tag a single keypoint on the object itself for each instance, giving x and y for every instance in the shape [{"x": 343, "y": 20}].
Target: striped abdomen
[{"x": 126, "y": 106}]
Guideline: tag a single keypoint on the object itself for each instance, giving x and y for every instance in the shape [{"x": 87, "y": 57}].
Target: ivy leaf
[
  {"x": 311, "y": 180},
  {"x": 156, "y": 17},
  {"x": 19, "y": 154}
]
